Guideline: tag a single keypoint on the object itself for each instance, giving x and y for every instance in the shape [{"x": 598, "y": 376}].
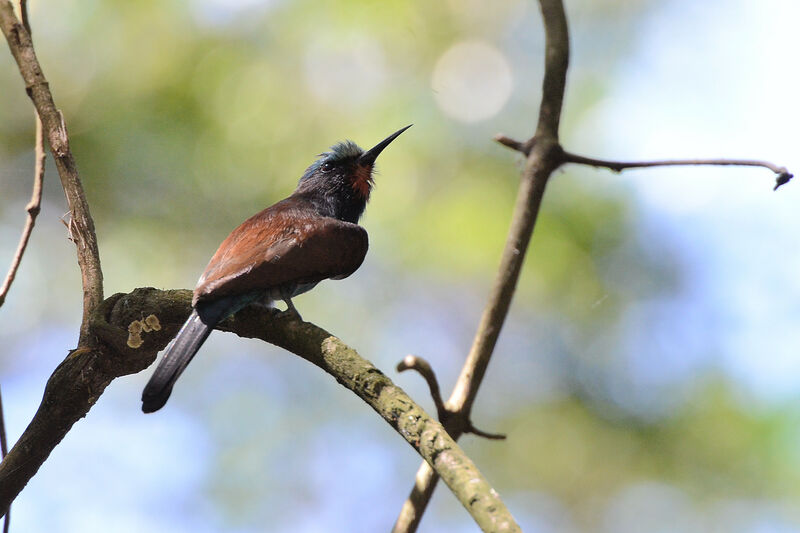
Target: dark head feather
[
  {"x": 339, "y": 153},
  {"x": 337, "y": 185},
  {"x": 340, "y": 181},
  {"x": 343, "y": 150}
]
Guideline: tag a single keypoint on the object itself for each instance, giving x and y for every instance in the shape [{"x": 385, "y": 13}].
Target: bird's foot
[{"x": 291, "y": 311}]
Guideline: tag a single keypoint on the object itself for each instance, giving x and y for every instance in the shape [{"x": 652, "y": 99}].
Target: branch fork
[
  {"x": 454, "y": 421},
  {"x": 561, "y": 157}
]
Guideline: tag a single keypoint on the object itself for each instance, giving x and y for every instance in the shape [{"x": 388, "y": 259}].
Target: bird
[{"x": 279, "y": 253}]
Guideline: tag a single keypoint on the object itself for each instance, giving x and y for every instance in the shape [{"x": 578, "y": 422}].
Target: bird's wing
[{"x": 282, "y": 245}]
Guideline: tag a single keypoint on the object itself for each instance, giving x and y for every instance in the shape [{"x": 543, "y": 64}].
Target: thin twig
[
  {"x": 423, "y": 367},
  {"x": 419, "y": 364},
  {"x": 543, "y": 156},
  {"x": 783, "y": 175},
  {"x": 33, "y": 208},
  {"x": 3, "y": 452},
  {"x": 35, "y": 203},
  {"x": 3, "y": 441},
  {"x": 513, "y": 144},
  {"x": 485, "y": 434},
  {"x": 19, "y": 41}
]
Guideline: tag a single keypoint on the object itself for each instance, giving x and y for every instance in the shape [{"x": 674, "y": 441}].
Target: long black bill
[{"x": 369, "y": 157}]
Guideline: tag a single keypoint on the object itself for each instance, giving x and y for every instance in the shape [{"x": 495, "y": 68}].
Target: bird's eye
[{"x": 326, "y": 167}]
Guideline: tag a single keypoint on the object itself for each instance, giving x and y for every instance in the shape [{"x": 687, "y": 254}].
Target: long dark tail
[
  {"x": 205, "y": 316},
  {"x": 177, "y": 355}
]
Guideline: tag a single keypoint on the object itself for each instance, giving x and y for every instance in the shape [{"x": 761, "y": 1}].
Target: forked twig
[{"x": 543, "y": 157}]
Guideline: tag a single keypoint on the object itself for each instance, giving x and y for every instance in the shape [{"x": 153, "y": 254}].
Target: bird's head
[{"x": 344, "y": 174}]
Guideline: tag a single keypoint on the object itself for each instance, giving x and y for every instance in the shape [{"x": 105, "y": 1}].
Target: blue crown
[{"x": 342, "y": 150}]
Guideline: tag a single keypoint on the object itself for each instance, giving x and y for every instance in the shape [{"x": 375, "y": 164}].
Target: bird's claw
[
  {"x": 290, "y": 314},
  {"x": 291, "y": 311}
]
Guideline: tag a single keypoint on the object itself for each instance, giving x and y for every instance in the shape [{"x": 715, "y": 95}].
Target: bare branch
[
  {"x": 412, "y": 362},
  {"x": 33, "y": 208},
  {"x": 485, "y": 434},
  {"x": 23, "y": 15},
  {"x": 544, "y": 155},
  {"x": 35, "y": 203},
  {"x": 783, "y": 175},
  {"x": 3, "y": 441},
  {"x": 544, "y": 158},
  {"x": 514, "y": 144},
  {"x": 19, "y": 41},
  {"x": 3, "y": 452},
  {"x": 556, "y": 63}
]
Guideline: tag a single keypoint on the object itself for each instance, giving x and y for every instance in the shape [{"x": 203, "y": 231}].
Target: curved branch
[
  {"x": 81, "y": 224},
  {"x": 412, "y": 362},
  {"x": 544, "y": 155},
  {"x": 423, "y": 368},
  {"x": 783, "y": 175},
  {"x": 80, "y": 379}
]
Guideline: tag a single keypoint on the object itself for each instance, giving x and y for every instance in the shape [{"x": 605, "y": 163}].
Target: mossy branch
[{"x": 121, "y": 349}]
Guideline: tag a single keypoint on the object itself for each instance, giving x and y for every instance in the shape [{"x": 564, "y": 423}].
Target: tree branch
[
  {"x": 783, "y": 175},
  {"x": 81, "y": 378},
  {"x": 556, "y": 63},
  {"x": 544, "y": 155},
  {"x": 3, "y": 452},
  {"x": 423, "y": 368},
  {"x": 33, "y": 208},
  {"x": 81, "y": 223}
]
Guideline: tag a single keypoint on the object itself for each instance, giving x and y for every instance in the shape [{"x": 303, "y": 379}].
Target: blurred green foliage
[{"x": 187, "y": 117}]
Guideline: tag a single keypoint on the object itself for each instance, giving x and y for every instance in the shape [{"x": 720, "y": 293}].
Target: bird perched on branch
[{"x": 283, "y": 251}]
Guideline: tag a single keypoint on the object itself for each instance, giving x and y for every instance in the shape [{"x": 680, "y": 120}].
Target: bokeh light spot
[
  {"x": 350, "y": 72},
  {"x": 472, "y": 81}
]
